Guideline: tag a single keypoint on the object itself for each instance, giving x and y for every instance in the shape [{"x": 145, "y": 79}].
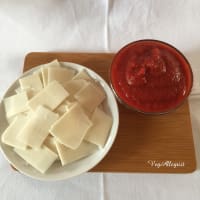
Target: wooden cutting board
[{"x": 145, "y": 143}]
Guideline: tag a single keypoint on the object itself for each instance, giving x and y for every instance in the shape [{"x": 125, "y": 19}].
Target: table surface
[{"x": 99, "y": 26}]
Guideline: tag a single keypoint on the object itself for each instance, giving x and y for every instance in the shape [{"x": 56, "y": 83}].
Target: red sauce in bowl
[{"x": 151, "y": 76}]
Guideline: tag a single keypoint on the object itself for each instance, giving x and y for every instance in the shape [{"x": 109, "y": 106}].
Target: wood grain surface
[{"x": 145, "y": 143}]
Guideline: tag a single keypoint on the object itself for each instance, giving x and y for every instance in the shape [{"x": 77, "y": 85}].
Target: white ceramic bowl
[{"x": 56, "y": 171}]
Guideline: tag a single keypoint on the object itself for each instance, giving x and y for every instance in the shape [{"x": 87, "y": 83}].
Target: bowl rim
[
  {"x": 134, "y": 108},
  {"x": 113, "y": 130}
]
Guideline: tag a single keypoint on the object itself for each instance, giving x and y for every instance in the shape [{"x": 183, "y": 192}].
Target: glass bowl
[{"x": 151, "y": 77}]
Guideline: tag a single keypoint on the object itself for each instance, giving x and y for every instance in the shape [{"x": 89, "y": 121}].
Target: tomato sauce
[{"x": 151, "y": 76}]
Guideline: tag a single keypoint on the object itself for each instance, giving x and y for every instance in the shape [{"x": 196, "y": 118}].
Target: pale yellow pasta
[{"x": 71, "y": 128}]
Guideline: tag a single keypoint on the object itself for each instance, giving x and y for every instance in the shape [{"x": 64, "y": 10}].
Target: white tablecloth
[{"x": 100, "y": 26}]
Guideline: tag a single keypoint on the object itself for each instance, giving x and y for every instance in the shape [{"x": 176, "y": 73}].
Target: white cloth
[{"x": 99, "y": 26}]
